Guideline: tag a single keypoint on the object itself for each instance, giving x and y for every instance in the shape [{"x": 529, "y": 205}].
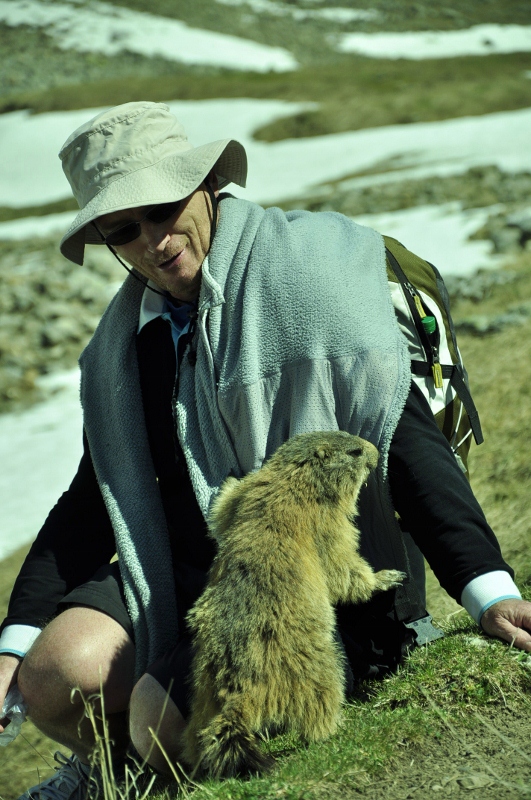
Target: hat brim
[{"x": 172, "y": 178}]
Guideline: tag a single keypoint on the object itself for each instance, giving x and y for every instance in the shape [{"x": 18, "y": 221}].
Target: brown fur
[{"x": 265, "y": 654}]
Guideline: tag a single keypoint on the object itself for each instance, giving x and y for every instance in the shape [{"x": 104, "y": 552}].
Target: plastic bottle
[{"x": 14, "y": 709}]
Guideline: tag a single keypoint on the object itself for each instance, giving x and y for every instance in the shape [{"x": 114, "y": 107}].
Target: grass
[
  {"x": 376, "y": 93},
  {"x": 394, "y": 720},
  {"x": 7, "y": 213},
  {"x": 392, "y": 14},
  {"x": 447, "y": 688},
  {"x": 478, "y": 187}
]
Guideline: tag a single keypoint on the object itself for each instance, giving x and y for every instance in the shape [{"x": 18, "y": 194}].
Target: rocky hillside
[{"x": 49, "y": 308}]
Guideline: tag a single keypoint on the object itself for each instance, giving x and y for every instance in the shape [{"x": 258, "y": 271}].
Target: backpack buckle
[{"x": 424, "y": 629}]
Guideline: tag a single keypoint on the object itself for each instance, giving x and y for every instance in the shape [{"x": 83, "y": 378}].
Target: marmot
[{"x": 263, "y": 630}]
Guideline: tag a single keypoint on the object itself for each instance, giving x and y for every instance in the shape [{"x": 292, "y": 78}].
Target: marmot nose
[
  {"x": 372, "y": 454},
  {"x": 367, "y": 449}
]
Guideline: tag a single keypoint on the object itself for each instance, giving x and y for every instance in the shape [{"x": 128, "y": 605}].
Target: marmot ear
[{"x": 321, "y": 453}]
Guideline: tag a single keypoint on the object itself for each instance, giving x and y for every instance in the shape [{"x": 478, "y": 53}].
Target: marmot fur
[{"x": 264, "y": 648}]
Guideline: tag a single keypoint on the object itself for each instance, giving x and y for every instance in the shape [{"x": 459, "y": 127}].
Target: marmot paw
[{"x": 388, "y": 579}]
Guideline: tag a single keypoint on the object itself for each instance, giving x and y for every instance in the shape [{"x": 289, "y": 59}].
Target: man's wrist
[
  {"x": 16, "y": 640},
  {"x": 486, "y": 590}
]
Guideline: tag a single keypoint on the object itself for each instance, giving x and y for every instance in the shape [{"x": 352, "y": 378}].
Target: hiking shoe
[{"x": 72, "y": 780}]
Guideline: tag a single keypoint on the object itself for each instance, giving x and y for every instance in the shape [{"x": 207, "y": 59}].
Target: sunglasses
[{"x": 131, "y": 231}]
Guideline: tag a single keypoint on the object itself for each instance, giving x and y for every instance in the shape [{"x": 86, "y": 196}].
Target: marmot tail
[{"x": 229, "y": 748}]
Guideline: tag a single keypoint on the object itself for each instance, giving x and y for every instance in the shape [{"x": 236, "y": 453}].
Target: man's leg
[
  {"x": 160, "y": 701},
  {"x": 152, "y": 707},
  {"x": 81, "y": 648}
]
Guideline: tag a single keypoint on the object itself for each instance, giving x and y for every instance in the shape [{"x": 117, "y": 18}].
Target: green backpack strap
[{"x": 431, "y": 365}]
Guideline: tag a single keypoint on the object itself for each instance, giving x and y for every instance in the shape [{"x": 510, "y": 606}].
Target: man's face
[{"x": 170, "y": 253}]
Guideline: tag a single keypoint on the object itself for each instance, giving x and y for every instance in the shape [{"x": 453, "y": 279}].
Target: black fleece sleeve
[
  {"x": 435, "y": 501},
  {"x": 76, "y": 539}
]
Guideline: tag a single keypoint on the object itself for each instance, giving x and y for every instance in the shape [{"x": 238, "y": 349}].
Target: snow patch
[
  {"x": 479, "y": 40},
  {"x": 30, "y": 171},
  {"x": 339, "y": 14},
  {"x": 31, "y": 227},
  {"x": 108, "y": 29},
  {"x": 39, "y": 450},
  {"x": 438, "y": 234}
]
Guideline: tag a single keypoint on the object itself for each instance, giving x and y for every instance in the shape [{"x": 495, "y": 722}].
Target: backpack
[{"x": 422, "y": 308}]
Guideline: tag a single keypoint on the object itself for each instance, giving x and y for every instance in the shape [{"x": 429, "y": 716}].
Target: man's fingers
[
  {"x": 509, "y": 620},
  {"x": 522, "y": 640},
  {"x": 515, "y": 636}
]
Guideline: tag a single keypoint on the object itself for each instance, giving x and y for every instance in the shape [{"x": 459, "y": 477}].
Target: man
[{"x": 238, "y": 328}]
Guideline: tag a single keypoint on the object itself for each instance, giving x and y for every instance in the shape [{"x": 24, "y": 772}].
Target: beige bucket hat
[{"x": 137, "y": 154}]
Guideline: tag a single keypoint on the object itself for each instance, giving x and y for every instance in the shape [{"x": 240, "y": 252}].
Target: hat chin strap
[
  {"x": 213, "y": 228},
  {"x": 130, "y": 271},
  {"x": 214, "y": 220}
]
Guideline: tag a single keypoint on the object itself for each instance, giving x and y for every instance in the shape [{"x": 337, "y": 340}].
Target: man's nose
[{"x": 155, "y": 236}]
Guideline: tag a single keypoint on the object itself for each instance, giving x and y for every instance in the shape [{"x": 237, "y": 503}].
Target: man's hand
[
  {"x": 9, "y": 667},
  {"x": 509, "y": 620}
]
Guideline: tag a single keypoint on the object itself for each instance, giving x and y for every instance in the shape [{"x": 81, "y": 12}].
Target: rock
[
  {"x": 478, "y": 286},
  {"x": 479, "y": 187},
  {"x": 521, "y": 219},
  {"x": 483, "y": 324},
  {"x": 49, "y": 308},
  {"x": 56, "y": 332}
]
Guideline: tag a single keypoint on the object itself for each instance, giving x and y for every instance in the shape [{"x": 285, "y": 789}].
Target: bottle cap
[{"x": 429, "y": 324}]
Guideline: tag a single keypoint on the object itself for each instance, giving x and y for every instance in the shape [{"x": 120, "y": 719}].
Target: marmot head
[{"x": 325, "y": 466}]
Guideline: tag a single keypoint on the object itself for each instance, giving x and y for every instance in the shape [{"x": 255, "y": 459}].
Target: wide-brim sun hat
[{"x": 137, "y": 154}]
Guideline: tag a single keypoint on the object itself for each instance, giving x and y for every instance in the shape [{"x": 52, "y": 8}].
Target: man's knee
[
  {"x": 80, "y": 649},
  {"x": 152, "y": 708}
]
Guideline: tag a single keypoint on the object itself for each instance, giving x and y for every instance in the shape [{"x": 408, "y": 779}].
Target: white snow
[
  {"x": 109, "y": 29},
  {"x": 439, "y": 234},
  {"x": 30, "y": 172},
  {"x": 39, "y": 452},
  {"x": 29, "y": 227},
  {"x": 479, "y": 40},
  {"x": 333, "y": 14}
]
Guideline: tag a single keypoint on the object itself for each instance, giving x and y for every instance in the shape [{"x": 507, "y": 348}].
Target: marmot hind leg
[{"x": 320, "y": 709}]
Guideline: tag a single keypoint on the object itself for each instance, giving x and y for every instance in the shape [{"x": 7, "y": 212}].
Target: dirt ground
[{"x": 491, "y": 762}]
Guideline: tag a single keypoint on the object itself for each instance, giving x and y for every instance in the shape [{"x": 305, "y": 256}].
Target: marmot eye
[{"x": 355, "y": 452}]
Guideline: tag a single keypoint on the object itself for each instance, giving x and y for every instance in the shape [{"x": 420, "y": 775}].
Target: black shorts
[{"x": 105, "y": 593}]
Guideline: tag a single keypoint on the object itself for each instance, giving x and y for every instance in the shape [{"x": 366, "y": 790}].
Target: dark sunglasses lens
[
  {"x": 124, "y": 235},
  {"x": 163, "y": 211}
]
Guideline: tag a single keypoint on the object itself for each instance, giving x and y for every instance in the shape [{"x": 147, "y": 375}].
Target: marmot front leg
[
  {"x": 364, "y": 582},
  {"x": 388, "y": 579}
]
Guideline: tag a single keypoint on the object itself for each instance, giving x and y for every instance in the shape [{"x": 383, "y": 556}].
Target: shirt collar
[{"x": 152, "y": 306}]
